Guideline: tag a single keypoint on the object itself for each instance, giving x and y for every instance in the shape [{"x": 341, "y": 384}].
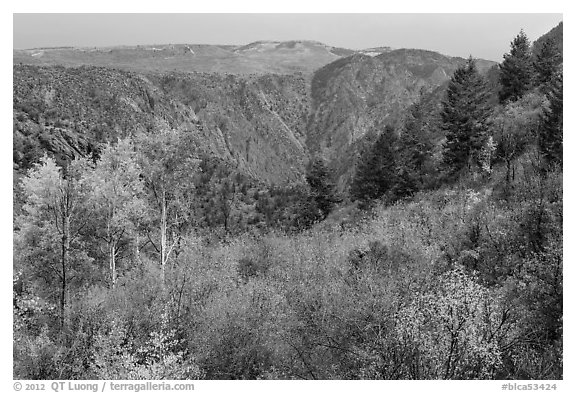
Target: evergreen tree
[
  {"x": 516, "y": 70},
  {"x": 322, "y": 187},
  {"x": 414, "y": 152},
  {"x": 405, "y": 183},
  {"x": 552, "y": 123},
  {"x": 376, "y": 172},
  {"x": 464, "y": 114},
  {"x": 547, "y": 63}
]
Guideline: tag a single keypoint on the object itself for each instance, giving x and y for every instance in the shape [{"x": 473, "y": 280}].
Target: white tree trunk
[
  {"x": 163, "y": 229},
  {"x": 113, "y": 264}
]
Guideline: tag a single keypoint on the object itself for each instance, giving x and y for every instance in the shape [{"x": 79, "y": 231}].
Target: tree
[
  {"x": 322, "y": 187},
  {"x": 414, "y": 153},
  {"x": 222, "y": 194},
  {"x": 547, "y": 63},
  {"x": 464, "y": 114},
  {"x": 516, "y": 70},
  {"x": 376, "y": 172},
  {"x": 116, "y": 197},
  {"x": 514, "y": 127},
  {"x": 55, "y": 210},
  {"x": 551, "y": 139},
  {"x": 168, "y": 168}
]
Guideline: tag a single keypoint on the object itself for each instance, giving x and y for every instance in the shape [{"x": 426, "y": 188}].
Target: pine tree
[
  {"x": 547, "y": 63},
  {"x": 321, "y": 185},
  {"x": 414, "y": 152},
  {"x": 516, "y": 70},
  {"x": 464, "y": 114},
  {"x": 552, "y": 123},
  {"x": 376, "y": 171}
]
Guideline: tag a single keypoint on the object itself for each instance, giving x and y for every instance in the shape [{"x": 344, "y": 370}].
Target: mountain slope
[
  {"x": 360, "y": 94},
  {"x": 256, "y": 123},
  {"x": 556, "y": 35}
]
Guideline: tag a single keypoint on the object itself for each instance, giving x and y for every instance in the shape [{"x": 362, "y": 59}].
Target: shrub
[
  {"x": 116, "y": 356},
  {"x": 257, "y": 262},
  {"x": 37, "y": 357},
  {"x": 449, "y": 330}
]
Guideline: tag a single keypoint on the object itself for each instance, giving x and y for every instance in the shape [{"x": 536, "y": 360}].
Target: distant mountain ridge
[{"x": 259, "y": 57}]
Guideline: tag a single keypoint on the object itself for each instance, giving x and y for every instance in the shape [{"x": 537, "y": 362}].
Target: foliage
[
  {"x": 516, "y": 71},
  {"x": 154, "y": 259},
  {"x": 167, "y": 167},
  {"x": 443, "y": 286},
  {"x": 376, "y": 170},
  {"x": 415, "y": 163},
  {"x": 452, "y": 330},
  {"x": 322, "y": 187},
  {"x": 515, "y": 128},
  {"x": 54, "y": 215},
  {"x": 551, "y": 133},
  {"x": 158, "y": 359},
  {"x": 547, "y": 63},
  {"x": 117, "y": 198},
  {"x": 464, "y": 114}
]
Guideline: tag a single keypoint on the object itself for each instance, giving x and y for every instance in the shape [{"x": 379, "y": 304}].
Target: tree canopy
[
  {"x": 516, "y": 70},
  {"x": 464, "y": 114}
]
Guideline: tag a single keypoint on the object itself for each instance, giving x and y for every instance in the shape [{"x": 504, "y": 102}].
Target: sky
[{"x": 484, "y": 36}]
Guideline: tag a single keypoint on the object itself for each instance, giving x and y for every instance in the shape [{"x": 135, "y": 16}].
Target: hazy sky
[{"x": 486, "y": 36}]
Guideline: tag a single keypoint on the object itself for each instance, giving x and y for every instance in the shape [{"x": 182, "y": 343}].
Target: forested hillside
[
  {"x": 397, "y": 216},
  {"x": 255, "y": 123}
]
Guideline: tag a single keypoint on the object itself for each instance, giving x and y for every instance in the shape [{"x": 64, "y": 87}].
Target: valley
[{"x": 266, "y": 124}]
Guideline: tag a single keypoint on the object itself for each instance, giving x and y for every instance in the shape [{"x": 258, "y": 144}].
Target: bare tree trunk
[
  {"x": 113, "y": 264},
  {"x": 163, "y": 229},
  {"x": 110, "y": 236},
  {"x": 64, "y": 261},
  {"x": 137, "y": 249},
  {"x": 226, "y": 214}
]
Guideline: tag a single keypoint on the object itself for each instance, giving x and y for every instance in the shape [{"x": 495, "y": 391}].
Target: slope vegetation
[{"x": 257, "y": 123}]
